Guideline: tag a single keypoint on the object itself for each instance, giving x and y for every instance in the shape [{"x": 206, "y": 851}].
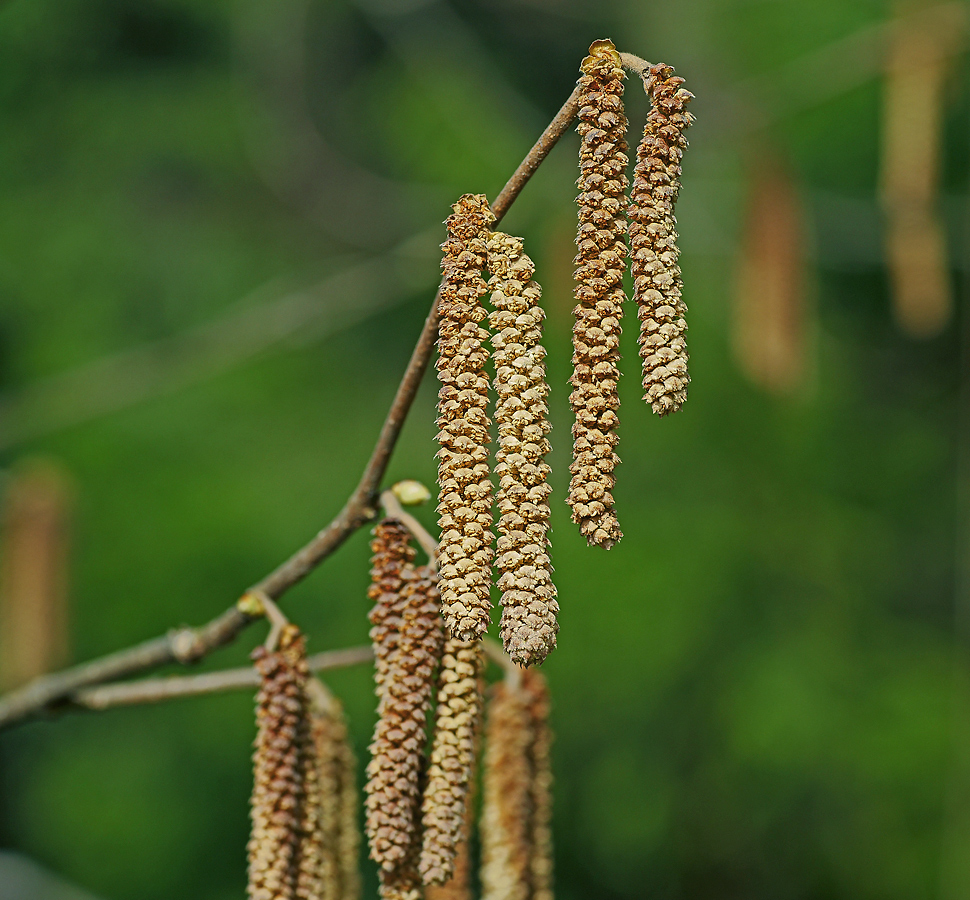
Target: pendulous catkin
[
  {"x": 336, "y": 787},
  {"x": 529, "y": 606},
  {"x": 464, "y": 488},
  {"x": 446, "y": 794},
  {"x": 535, "y": 687},
  {"x": 280, "y": 768},
  {"x": 507, "y": 802},
  {"x": 397, "y": 752},
  {"x": 391, "y": 556},
  {"x": 600, "y": 264},
  {"x": 657, "y": 285}
]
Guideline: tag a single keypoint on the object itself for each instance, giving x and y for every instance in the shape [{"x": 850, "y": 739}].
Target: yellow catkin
[
  {"x": 448, "y": 788},
  {"x": 391, "y": 554},
  {"x": 280, "y": 766},
  {"x": 464, "y": 487},
  {"x": 657, "y": 285},
  {"x": 397, "y": 751},
  {"x": 529, "y": 606},
  {"x": 506, "y": 829},
  {"x": 600, "y": 264},
  {"x": 403, "y": 882}
]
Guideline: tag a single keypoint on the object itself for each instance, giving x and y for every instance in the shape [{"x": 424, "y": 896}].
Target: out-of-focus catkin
[
  {"x": 534, "y": 684},
  {"x": 506, "y": 829},
  {"x": 336, "y": 798},
  {"x": 464, "y": 488},
  {"x": 391, "y": 555},
  {"x": 397, "y": 758},
  {"x": 280, "y": 766},
  {"x": 600, "y": 263},
  {"x": 657, "y": 285},
  {"x": 525, "y": 573},
  {"x": 446, "y": 795}
]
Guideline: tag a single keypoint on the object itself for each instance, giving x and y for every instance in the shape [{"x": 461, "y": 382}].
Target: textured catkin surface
[
  {"x": 280, "y": 767},
  {"x": 534, "y": 685},
  {"x": 391, "y": 554},
  {"x": 446, "y": 794},
  {"x": 600, "y": 264},
  {"x": 657, "y": 284},
  {"x": 465, "y": 490},
  {"x": 529, "y": 606},
  {"x": 506, "y": 824},
  {"x": 397, "y": 751}
]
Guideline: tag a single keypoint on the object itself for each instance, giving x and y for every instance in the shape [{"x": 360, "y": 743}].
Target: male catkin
[
  {"x": 464, "y": 488},
  {"x": 657, "y": 284},
  {"x": 446, "y": 795},
  {"x": 600, "y": 264},
  {"x": 391, "y": 555},
  {"x": 397, "y": 751},
  {"x": 534, "y": 685},
  {"x": 529, "y": 606},
  {"x": 280, "y": 767}
]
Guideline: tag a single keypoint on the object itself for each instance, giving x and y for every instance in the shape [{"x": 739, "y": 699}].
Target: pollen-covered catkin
[
  {"x": 464, "y": 488},
  {"x": 600, "y": 264},
  {"x": 397, "y": 752},
  {"x": 280, "y": 764},
  {"x": 391, "y": 555},
  {"x": 529, "y": 606},
  {"x": 657, "y": 285},
  {"x": 446, "y": 794}
]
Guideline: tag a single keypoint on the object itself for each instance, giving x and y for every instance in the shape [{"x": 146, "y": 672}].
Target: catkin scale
[
  {"x": 529, "y": 606},
  {"x": 397, "y": 759},
  {"x": 600, "y": 263},
  {"x": 464, "y": 486},
  {"x": 391, "y": 554},
  {"x": 657, "y": 284},
  {"x": 452, "y": 761}
]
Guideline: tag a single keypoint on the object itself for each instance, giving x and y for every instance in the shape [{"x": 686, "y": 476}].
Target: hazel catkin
[
  {"x": 657, "y": 284},
  {"x": 397, "y": 751},
  {"x": 464, "y": 488},
  {"x": 529, "y": 606},
  {"x": 600, "y": 263},
  {"x": 446, "y": 794}
]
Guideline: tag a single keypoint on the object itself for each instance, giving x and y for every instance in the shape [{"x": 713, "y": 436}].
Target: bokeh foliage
[{"x": 757, "y": 692}]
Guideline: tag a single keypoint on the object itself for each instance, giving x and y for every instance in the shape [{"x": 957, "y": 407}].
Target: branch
[
  {"x": 153, "y": 690},
  {"x": 188, "y": 645},
  {"x": 392, "y": 506}
]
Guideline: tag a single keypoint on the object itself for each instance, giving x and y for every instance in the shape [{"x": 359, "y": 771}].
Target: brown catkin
[
  {"x": 507, "y": 803},
  {"x": 391, "y": 554},
  {"x": 535, "y": 687},
  {"x": 397, "y": 752},
  {"x": 459, "y": 886},
  {"x": 600, "y": 263},
  {"x": 280, "y": 769},
  {"x": 529, "y": 606},
  {"x": 657, "y": 285},
  {"x": 446, "y": 794},
  {"x": 464, "y": 487}
]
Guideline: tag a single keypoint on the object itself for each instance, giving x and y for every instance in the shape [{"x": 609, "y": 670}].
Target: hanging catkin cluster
[
  {"x": 397, "y": 751},
  {"x": 516, "y": 840},
  {"x": 465, "y": 491},
  {"x": 281, "y": 849},
  {"x": 600, "y": 264},
  {"x": 336, "y": 788},
  {"x": 525, "y": 573},
  {"x": 446, "y": 796},
  {"x": 657, "y": 284}
]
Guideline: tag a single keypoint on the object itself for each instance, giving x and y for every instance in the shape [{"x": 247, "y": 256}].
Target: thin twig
[
  {"x": 493, "y": 650},
  {"x": 187, "y": 645},
  {"x": 392, "y": 506},
  {"x": 639, "y": 66},
  {"x": 154, "y": 690}
]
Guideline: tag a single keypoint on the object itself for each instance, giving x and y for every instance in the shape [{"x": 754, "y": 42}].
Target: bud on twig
[{"x": 600, "y": 263}]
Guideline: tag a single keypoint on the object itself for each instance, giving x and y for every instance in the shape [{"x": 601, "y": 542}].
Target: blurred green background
[{"x": 218, "y": 240}]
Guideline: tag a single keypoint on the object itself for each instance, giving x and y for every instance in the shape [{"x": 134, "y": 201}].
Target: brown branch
[
  {"x": 187, "y": 645},
  {"x": 153, "y": 690},
  {"x": 392, "y": 506}
]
